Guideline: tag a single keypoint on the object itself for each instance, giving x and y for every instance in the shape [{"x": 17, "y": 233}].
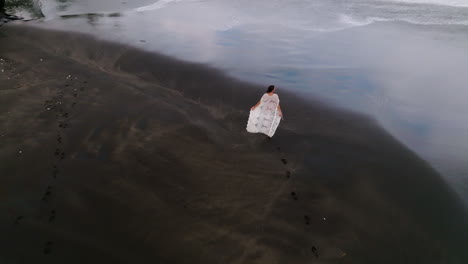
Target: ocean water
[
  {"x": 403, "y": 62},
  {"x": 313, "y": 15}
]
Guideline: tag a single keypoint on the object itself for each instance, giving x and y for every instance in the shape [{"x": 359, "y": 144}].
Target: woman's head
[{"x": 270, "y": 89}]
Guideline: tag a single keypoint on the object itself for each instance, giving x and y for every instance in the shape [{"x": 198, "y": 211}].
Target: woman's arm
[{"x": 255, "y": 106}]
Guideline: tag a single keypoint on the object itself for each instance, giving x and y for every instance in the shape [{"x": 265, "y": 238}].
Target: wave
[
  {"x": 354, "y": 22},
  {"x": 453, "y": 3},
  {"x": 349, "y": 21},
  {"x": 158, "y": 5}
]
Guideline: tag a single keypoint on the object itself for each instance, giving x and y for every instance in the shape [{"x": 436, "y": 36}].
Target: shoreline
[{"x": 157, "y": 166}]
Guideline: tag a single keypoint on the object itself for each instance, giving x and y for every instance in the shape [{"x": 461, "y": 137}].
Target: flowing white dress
[{"x": 265, "y": 117}]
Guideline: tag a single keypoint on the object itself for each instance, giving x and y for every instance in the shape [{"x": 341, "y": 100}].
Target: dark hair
[{"x": 270, "y": 88}]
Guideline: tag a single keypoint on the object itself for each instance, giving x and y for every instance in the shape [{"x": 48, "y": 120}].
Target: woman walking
[{"x": 266, "y": 115}]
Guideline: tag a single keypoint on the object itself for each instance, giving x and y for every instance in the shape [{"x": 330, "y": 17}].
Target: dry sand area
[{"x": 109, "y": 154}]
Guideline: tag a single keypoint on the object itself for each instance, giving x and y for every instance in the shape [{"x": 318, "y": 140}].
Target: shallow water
[{"x": 403, "y": 62}]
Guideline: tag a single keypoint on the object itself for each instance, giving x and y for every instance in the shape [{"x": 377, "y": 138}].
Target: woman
[{"x": 265, "y": 116}]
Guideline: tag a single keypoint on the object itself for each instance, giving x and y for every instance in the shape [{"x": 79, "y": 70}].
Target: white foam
[{"x": 348, "y": 20}]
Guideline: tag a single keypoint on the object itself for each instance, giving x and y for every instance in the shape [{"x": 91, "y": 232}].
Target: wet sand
[{"x": 114, "y": 155}]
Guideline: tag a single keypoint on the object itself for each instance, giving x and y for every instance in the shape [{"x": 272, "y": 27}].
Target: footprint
[
  {"x": 47, "y": 193},
  {"x": 314, "y": 250},
  {"x": 47, "y": 247},
  {"x": 57, "y": 152},
  {"x": 288, "y": 174},
  {"x": 63, "y": 125},
  {"x": 18, "y": 219},
  {"x": 284, "y": 161},
  {"x": 59, "y": 139},
  {"x": 307, "y": 219},
  {"x": 278, "y": 148},
  {"x": 52, "y": 216},
  {"x": 75, "y": 95},
  {"x": 73, "y": 105},
  {"x": 294, "y": 196},
  {"x": 62, "y": 156}
]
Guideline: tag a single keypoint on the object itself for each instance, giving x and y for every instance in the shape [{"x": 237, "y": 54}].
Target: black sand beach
[{"x": 109, "y": 154}]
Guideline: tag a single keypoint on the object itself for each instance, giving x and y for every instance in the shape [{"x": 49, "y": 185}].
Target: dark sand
[{"x": 145, "y": 159}]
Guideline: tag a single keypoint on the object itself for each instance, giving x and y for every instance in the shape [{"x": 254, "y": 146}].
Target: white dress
[{"x": 265, "y": 118}]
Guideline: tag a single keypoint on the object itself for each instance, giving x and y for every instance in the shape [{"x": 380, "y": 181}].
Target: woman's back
[{"x": 264, "y": 117}]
